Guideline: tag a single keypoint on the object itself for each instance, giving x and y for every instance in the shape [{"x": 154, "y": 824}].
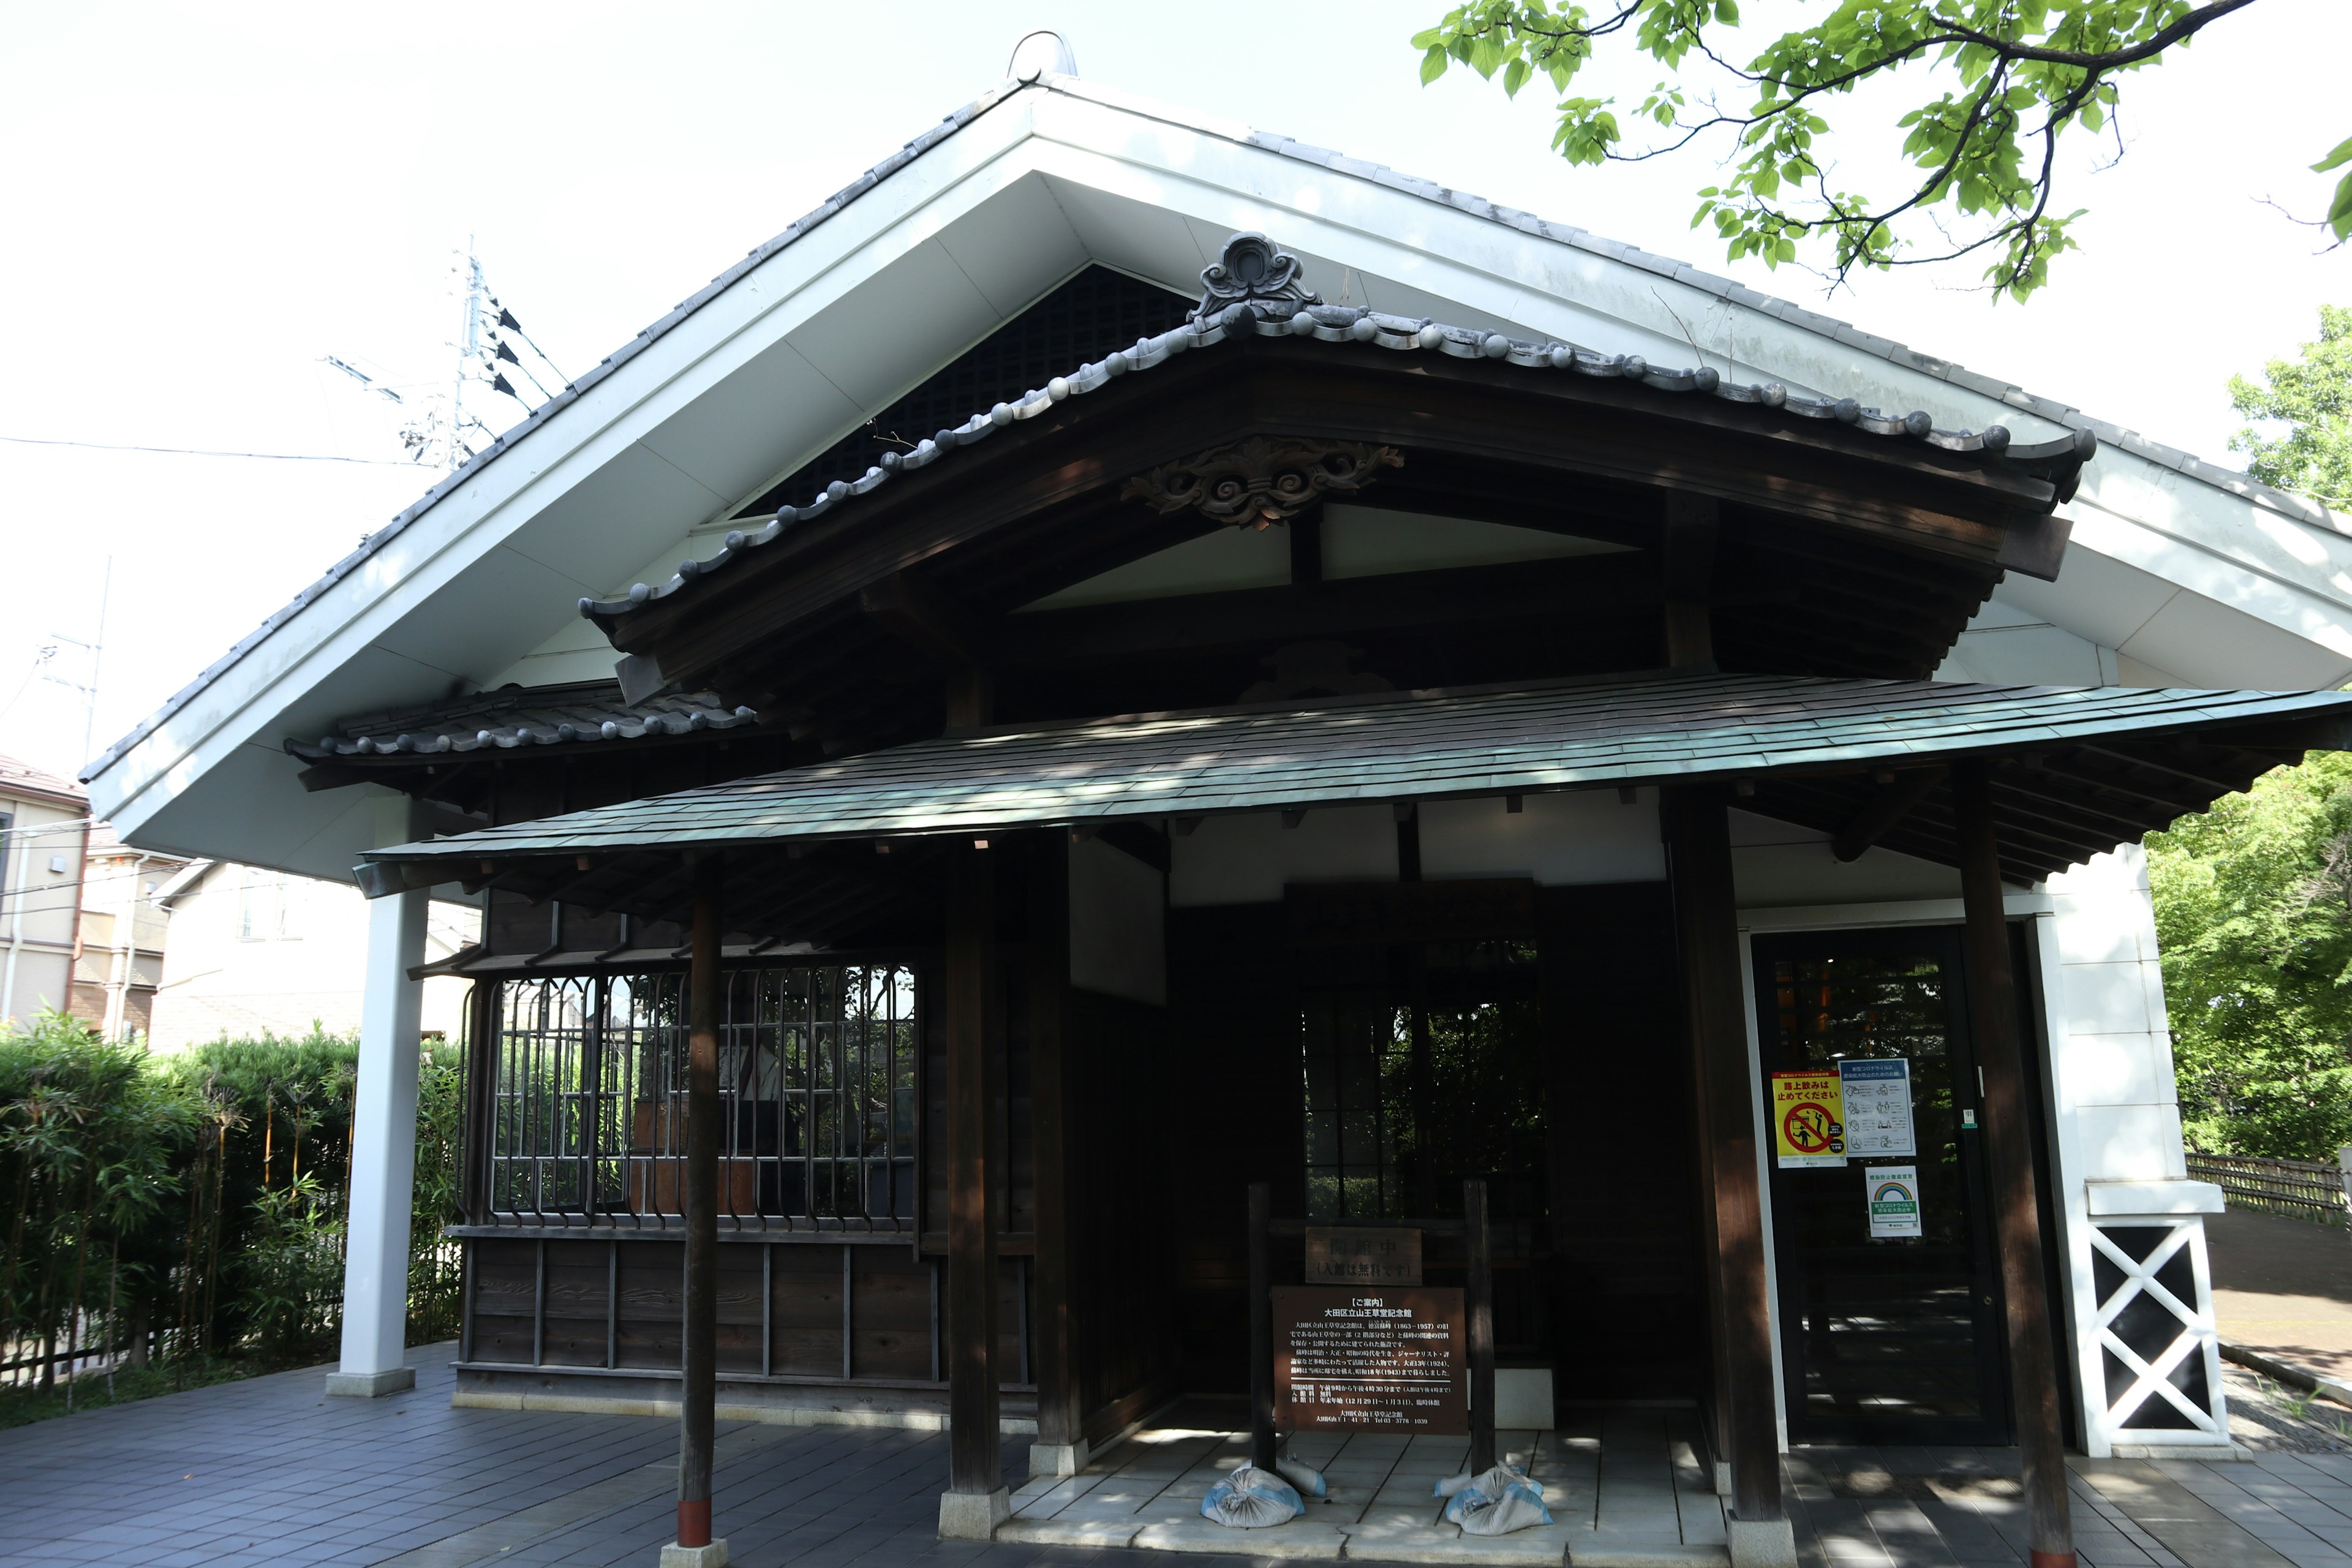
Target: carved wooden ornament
[{"x": 1260, "y": 481}]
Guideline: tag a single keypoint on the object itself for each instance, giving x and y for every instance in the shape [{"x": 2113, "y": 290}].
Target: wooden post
[
  {"x": 975, "y": 1502},
  {"x": 1478, "y": 1305},
  {"x": 482, "y": 1019},
  {"x": 699, "y": 1387},
  {"x": 2008, "y": 1150},
  {"x": 1261, "y": 1326},
  {"x": 1061, "y": 1445},
  {"x": 1686, "y": 560},
  {"x": 1697, "y": 830}
]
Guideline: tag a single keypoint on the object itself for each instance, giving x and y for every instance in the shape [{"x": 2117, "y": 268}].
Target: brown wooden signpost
[
  {"x": 1388, "y": 1356},
  {"x": 1369, "y": 1358},
  {"x": 1361, "y": 1255}
]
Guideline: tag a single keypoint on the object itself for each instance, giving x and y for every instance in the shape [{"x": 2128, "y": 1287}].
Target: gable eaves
[{"x": 2298, "y": 508}]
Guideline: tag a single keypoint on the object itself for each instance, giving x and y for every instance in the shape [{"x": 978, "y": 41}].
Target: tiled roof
[
  {"x": 1288, "y": 314},
  {"x": 515, "y": 716},
  {"x": 24, "y": 777},
  {"x": 2301, "y": 508},
  {"x": 1394, "y": 748}
]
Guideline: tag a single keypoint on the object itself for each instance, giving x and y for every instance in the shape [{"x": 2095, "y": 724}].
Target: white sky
[{"x": 200, "y": 203}]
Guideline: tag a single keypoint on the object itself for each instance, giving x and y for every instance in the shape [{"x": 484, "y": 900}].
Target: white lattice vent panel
[{"x": 2157, "y": 1348}]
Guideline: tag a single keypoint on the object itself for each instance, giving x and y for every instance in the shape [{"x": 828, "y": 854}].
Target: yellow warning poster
[{"x": 1808, "y": 1119}]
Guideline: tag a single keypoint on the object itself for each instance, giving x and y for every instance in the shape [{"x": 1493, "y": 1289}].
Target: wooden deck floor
[{"x": 270, "y": 1471}]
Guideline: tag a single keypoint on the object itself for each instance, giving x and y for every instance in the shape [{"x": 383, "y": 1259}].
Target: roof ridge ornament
[{"x": 1252, "y": 271}]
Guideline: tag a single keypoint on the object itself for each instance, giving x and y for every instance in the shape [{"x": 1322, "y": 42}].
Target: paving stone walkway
[{"x": 270, "y": 1471}]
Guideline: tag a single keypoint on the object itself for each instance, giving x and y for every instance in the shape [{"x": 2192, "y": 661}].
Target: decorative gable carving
[{"x": 1260, "y": 481}]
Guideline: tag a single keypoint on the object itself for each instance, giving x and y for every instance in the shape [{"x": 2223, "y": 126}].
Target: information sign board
[
  {"x": 1876, "y": 1091},
  {"x": 1383, "y": 1359},
  {"x": 1359, "y": 1255},
  {"x": 1808, "y": 1119},
  {"x": 1893, "y": 1195}
]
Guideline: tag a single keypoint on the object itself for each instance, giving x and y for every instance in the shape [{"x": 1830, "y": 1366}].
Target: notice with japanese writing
[
  {"x": 1877, "y": 1093},
  {"x": 1892, "y": 1193},
  {"x": 1362, "y": 1256},
  {"x": 1808, "y": 1119},
  {"x": 1389, "y": 1361}
]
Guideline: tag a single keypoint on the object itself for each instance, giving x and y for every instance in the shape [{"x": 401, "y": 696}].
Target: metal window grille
[{"x": 816, "y": 1099}]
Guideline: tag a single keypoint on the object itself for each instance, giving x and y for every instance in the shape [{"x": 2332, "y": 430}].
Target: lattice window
[
  {"x": 2155, "y": 1344},
  {"x": 817, "y": 1097}
]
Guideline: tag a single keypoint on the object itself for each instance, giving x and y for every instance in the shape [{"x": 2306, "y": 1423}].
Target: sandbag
[
  {"x": 1493, "y": 1503},
  {"x": 1304, "y": 1477},
  {"x": 1252, "y": 1499}
]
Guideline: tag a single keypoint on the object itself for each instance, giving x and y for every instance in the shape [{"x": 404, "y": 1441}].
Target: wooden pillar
[
  {"x": 975, "y": 1502},
  {"x": 1478, "y": 1307},
  {"x": 1061, "y": 1445},
  {"x": 1697, "y": 826},
  {"x": 699, "y": 1387},
  {"x": 482, "y": 1020},
  {"x": 1686, "y": 561},
  {"x": 1261, "y": 1326},
  {"x": 2008, "y": 1150}
]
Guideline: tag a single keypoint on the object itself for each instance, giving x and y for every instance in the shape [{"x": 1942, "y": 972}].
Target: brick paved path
[{"x": 270, "y": 1471}]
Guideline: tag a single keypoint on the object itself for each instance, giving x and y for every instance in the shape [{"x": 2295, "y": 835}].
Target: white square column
[{"x": 383, "y": 1137}]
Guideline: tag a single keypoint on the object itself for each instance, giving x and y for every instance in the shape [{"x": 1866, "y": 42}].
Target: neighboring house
[
  {"x": 43, "y": 830},
  {"x": 258, "y": 952},
  {"x": 119, "y": 960}
]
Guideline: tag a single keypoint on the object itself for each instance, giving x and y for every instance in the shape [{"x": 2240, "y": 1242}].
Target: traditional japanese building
[{"x": 1123, "y": 657}]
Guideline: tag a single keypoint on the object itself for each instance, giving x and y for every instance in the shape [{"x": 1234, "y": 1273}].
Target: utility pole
[
  {"x": 469, "y": 352},
  {"x": 97, "y": 651}
]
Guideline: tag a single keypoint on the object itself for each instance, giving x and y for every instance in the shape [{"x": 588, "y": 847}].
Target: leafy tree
[
  {"x": 2004, "y": 80},
  {"x": 2254, "y": 911},
  {"x": 2313, "y": 400}
]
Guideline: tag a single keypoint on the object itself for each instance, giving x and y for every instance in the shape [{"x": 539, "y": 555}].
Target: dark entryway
[{"x": 1895, "y": 1339}]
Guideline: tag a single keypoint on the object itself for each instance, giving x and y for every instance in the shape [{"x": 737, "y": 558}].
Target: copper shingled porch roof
[{"x": 1435, "y": 745}]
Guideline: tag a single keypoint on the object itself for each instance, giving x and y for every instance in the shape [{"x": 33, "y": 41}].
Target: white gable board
[{"x": 2176, "y": 567}]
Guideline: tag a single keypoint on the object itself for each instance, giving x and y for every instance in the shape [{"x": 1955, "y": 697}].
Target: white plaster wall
[
  {"x": 1246, "y": 860},
  {"x": 1573, "y": 836},
  {"x": 1777, "y": 865},
  {"x": 2111, "y": 1047}
]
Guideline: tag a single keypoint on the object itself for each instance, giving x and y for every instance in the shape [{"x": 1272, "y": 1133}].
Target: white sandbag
[
  {"x": 1493, "y": 1503},
  {"x": 1252, "y": 1499},
  {"x": 1304, "y": 1477}
]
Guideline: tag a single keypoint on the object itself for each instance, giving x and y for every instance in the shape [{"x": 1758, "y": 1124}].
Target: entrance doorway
[
  {"x": 1885, "y": 1337},
  {"x": 1421, "y": 1065}
]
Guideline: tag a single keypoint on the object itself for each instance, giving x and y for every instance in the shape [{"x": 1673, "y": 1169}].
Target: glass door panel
[{"x": 1885, "y": 1338}]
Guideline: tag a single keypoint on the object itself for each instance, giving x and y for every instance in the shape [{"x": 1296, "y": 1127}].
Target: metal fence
[{"x": 2302, "y": 1189}]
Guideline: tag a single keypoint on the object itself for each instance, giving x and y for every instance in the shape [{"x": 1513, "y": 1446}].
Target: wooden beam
[
  {"x": 975, "y": 1501},
  {"x": 919, "y": 617},
  {"x": 700, "y": 1386},
  {"x": 1061, "y": 1445},
  {"x": 2009, "y": 1147},
  {"x": 1888, "y": 805},
  {"x": 1579, "y": 586},
  {"x": 1696, "y": 825}
]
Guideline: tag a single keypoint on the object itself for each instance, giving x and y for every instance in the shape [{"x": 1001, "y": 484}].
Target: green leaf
[
  {"x": 2342, "y": 155},
  {"x": 1432, "y": 66}
]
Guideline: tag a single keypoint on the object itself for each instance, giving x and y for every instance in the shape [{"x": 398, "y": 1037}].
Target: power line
[{"x": 200, "y": 452}]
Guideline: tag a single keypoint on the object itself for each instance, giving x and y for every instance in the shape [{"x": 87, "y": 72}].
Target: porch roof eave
[{"x": 1673, "y": 728}]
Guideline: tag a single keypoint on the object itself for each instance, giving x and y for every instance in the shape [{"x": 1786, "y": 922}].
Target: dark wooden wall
[
  {"x": 1122, "y": 1206},
  {"x": 550, "y": 1303},
  {"x": 1236, "y": 1104},
  {"x": 1629, "y": 1304}
]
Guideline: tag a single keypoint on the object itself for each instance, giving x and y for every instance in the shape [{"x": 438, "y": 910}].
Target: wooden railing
[{"x": 2303, "y": 1189}]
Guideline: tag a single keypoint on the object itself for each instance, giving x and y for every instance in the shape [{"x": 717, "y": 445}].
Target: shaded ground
[
  {"x": 2283, "y": 1287},
  {"x": 270, "y": 1471}
]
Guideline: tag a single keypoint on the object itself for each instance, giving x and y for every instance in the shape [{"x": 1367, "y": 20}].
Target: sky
[{"x": 202, "y": 203}]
